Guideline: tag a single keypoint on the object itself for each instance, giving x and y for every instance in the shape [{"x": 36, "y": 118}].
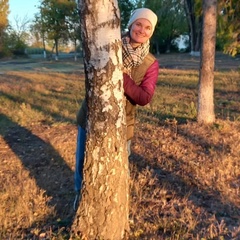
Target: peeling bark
[{"x": 103, "y": 211}]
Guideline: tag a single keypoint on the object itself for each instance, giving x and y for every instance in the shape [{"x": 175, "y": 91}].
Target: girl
[{"x": 140, "y": 75}]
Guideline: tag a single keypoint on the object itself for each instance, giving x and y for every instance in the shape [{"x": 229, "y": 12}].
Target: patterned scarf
[{"x": 133, "y": 57}]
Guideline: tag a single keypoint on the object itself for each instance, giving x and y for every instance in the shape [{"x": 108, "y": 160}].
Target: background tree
[
  {"x": 53, "y": 17},
  {"x": 206, "y": 79},
  {"x": 56, "y": 25},
  {"x": 15, "y": 38},
  {"x": 19, "y": 35},
  {"x": 103, "y": 211},
  {"x": 229, "y": 26},
  {"x": 4, "y": 11},
  {"x": 126, "y": 7},
  {"x": 138, "y": 3},
  {"x": 193, "y": 9},
  {"x": 73, "y": 24},
  {"x": 171, "y": 23},
  {"x": 39, "y": 33}
]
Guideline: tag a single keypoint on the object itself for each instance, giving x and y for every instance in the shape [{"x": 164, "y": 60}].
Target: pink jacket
[{"x": 143, "y": 93}]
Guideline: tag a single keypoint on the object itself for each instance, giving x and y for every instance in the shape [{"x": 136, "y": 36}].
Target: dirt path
[{"x": 184, "y": 61}]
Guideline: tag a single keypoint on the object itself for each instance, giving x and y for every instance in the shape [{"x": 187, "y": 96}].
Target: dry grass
[
  {"x": 188, "y": 181},
  {"x": 185, "y": 178}
]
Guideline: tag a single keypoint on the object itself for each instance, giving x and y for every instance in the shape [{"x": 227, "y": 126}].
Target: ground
[
  {"x": 169, "y": 61},
  {"x": 53, "y": 149},
  {"x": 185, "y": 61}
]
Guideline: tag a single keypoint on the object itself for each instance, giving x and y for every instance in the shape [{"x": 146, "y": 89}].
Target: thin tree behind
[
  {"x": 206, "y": 79},
  {"x": 4, "y": 11}
]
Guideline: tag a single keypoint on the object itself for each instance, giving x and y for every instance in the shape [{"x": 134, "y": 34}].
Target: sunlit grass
[
  {"x": 30, "y": 98},
  {"x": 177, "y": 92}
]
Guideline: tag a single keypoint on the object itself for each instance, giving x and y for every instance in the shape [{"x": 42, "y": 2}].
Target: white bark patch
[
  {"x": 95, "y": 153},
  {"x": 100, "y": 126},
  {"x": 105, "y": 98},
  {"x": 118, "y": 59},
  {"x": 103, "y": 33},
  {"x": 115, "y": 198}
]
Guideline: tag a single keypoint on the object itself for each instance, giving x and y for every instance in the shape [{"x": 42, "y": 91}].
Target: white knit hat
[{"x": 143, "y": 13}]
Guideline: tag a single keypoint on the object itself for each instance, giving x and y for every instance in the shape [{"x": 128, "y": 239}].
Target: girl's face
[{"x": 140, "y": 32}]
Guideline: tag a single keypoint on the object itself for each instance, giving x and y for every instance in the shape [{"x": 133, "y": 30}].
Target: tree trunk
[
  {"x": 195, "y": 24},
  {"x": 75, "y": 49},
  {"x": 198, "y": 35},
  {"x": 206, "y": 78},
  {"x": 103, "y": 210},
  {"x": 44, "y": 47},
  {"x": 56, "y": 47}
]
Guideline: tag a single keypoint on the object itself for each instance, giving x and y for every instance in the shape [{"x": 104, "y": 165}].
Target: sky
[{"x": 22, "y": 8}]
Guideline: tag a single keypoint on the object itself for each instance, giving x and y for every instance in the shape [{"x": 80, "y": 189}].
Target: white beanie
[{"x": 143, "y": 13}]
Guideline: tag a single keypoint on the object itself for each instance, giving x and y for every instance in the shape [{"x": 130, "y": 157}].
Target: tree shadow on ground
[
  {"x": 208, "y": 199},
  {"x": 201, "y": 196},
  {"x": 46, "y": 166},
  {"x": 56, "y": 116}
]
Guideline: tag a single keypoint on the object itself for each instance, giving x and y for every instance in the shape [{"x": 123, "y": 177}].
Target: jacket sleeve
[{"x": 143, "y": 93}]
